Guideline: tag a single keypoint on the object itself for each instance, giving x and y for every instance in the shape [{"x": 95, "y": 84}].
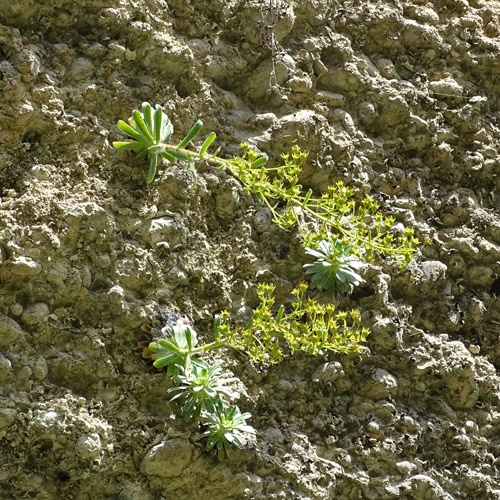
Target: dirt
[{"x": 383, "y": 96}]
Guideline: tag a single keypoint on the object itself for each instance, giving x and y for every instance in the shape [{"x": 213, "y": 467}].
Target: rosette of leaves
[
  {"x": 176, "y": 350},
  {"x": 203, "y": 387},
  {"x": 225, "y": 428},
  {"x": 336, "y": 266},
  {"x": 150, "y": 131}
]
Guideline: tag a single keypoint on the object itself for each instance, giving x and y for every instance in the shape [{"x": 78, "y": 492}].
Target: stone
[
  {"x": 35, "y": 313},
  {"x": 167, "y": 459},
  {"x": 10, "y": 331},
  {"x": 7, "y": 417}
]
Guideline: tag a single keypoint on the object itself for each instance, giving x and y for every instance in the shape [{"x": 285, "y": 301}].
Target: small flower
[{"x": 335, "y": 269}]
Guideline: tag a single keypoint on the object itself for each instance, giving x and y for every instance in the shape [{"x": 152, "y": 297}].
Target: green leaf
[
  {"x": 147, "y": 112},
  {"x": 169, "y": 346},
  {"x": 158, "y": 118},
  {"x": 258, "y": 162},
  {"x": 191, "y": 164},
  {"x": 160, "y": 363},
  {"x": 189, "y": 339},
  {"x": 188, "y": 405},
  {"x": 127, "y": 129},
  {"x": 141, "y": 125},
  {"x": 152, "y": 168},
  {"x": 209, "y": 405},
  {"x": 170, "y": 157},
  {"x": 280, "y": 314},
  {"x": 167, "y": 129},
  {"x": 207, "y": 143},
  {"x": 306, "y": 199},
  {"x": 212, "y": 441},
  {"x": 130, "y": 145},
  {"x": 180, "y": 155},
  {"x": 192, "y": 133}
]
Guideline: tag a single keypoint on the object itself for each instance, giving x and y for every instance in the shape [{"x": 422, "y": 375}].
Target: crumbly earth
[{"x": 381, "y": 94}]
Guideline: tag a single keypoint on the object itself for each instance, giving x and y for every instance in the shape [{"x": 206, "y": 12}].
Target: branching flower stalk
[
  {"x": 270, "y": 335},
  {"x": 335, "y": 211}
]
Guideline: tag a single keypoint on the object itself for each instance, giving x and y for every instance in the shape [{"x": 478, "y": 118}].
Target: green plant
[
  {"x": 335, "y": 211},
  {"x": 176, "y": 350},
  {"x": 225, "y": 429},
  {"x": 306, "y": 326},
  {"x": 202, "y": 387},
  {"x": 150, "y": 132},
  {"x": 335, "y": 267},
  {"x": 346, "y": 230}
]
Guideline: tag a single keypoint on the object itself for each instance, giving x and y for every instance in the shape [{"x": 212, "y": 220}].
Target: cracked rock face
[{"x": 398, "y": 99}]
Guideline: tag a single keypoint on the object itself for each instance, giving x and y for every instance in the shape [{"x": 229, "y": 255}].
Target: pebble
[
  {"x": 7, "y": 417},
  {"x": 35, "y": 313},
  {"x": 167, "y": 459},
  {"x": 5, "y": 367},
  {"x": 10, "y": 331}
]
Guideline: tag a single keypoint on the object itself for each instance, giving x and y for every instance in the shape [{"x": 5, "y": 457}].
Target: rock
[
  {"x": 88, "y": 447},
  {"x": 16, "y": 309},
  {"x": 35, "y": 313},
  {"x": 3, "y": 254},
  {"x": 331, "y": 98},
  {"x": 5, "y": 367},
  {"x": 7, "y": 417},
  {"x": 10, "y": 331},
  {"x": 23, "y": 266},
  {"x": 167, "y": 459},
  {"x": 329, "y": 372},
  {"x": 40, "y": 369},
  {"x": 263, "y": 220}
]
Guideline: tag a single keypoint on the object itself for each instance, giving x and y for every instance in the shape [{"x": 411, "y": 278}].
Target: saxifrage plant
[
  {"x": 335, "y": 269},
  {"x": 346, "y": 233},
  {"x": 225, "y": 428},
  {"x": 360, "y": 224},
  {"x": 202, "y": 387}
]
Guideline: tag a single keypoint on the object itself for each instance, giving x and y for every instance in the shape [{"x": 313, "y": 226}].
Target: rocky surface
[{"x": 381, "y": 93}]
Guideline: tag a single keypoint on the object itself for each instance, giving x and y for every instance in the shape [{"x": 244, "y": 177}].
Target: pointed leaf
[
  {"x": 180, "y": 155},
  {"x": 211, "y": 442},
  {"x": 207, "y": 143},
  {"x": 167, "y": 129},
  {"x": 127, "y": 129},
  {"x": 280, "y": 314},
  {"x": 147, "y": 113},
  {"x": 139, "y": 121},
  {"x": 160, "y": 363},
  {"x": 258, "y": 162},
  {"x": 168, "y": 345},
  {"x": 209, "y": 405},
  {"x": 260, "y": 198},
  {"x": 192, "y": 133},
  {"x": 306, "y": 199},
  {"x": 130, "y": 145},
  {"x": 158, "y": 118},
  {"x": 152, "y": 168},
  {"x": 170, "y": 157}
]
